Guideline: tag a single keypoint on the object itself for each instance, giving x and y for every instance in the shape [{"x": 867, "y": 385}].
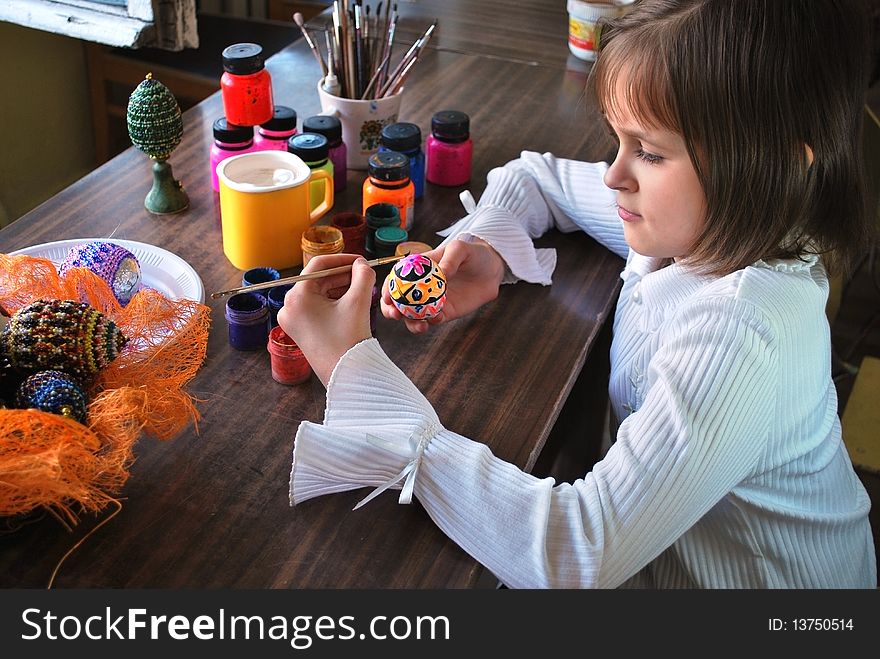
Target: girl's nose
[{"x": 618, "y": 176}]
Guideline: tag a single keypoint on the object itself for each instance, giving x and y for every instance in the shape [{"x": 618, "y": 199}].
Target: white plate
[{"x": 160, "y": 269}]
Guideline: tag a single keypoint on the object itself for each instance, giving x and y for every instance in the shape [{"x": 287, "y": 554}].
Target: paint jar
[
  {"x": 275, "y": 300},
  {"x": 273, "y": 134},
  {"x": 386, "y": 240},
  {"x": 389, "y": 183},
  {"x": 331, "y": 128},
  {"x": 259, "y": 276},
  {"x": 376, "y": 217},
  {"x": 354, "y": 229},
  {"x": 449, "y": 148},
  {"x": 229, "y": 140},
  {"x": 320, "y": 240},
  {"x": 289, "y": 364},
  {"x": 411, "y": 247},
  {"x": 246, "y": 86},
  {"x": 406, "y": 138},
  {"x": 584, "y": 26},
  {"x": 248, "y": 317},
  {"x": 314, "y": 150}
]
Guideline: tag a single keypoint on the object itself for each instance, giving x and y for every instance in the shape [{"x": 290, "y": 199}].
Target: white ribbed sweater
[{"x": 728, "y": 470}]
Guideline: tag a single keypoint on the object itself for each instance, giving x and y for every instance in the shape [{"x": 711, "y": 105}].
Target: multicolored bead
[
  {"x": 113, "y": 263},
  {"x": 418, "y": 287},
  {"x": 54, "y": 392},
  {"x": 61, "y": 335}
]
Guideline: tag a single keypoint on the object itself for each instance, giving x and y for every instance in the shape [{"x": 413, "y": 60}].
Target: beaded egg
[
  {"x": 111, "y": 262},
  {"x": 54, "y": 392},
  {"x": 417, "y": 287},
  {"x": 154, "y": 121},
  {"x": 61, "y": 335}
]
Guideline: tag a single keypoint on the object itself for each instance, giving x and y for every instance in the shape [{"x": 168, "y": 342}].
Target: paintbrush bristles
[{"x": 298, "y": 19}]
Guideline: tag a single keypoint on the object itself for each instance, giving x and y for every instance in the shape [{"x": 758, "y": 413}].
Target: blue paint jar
[
  {"x": 259, "y": 276},
  {"x": 406, "y": 138},
  {"x": 248, "y": 317},
  {"x": 275, "y": 300}
]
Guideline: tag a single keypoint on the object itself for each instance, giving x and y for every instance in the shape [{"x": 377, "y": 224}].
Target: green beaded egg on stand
[{"x": 155, "y": 126}]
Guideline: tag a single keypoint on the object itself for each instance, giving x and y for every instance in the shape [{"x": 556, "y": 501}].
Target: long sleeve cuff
[
  {"x": 356, "y": 446},
  {"x": 505, "y": 234}
]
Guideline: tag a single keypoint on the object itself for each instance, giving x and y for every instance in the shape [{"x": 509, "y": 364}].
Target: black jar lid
[
  {"x": 329, "y": 127},
  {"x": 311, "y": 147},
  {"x": 402, "y": 136},
  {"x": 230, "y": 133},
  {"x": 450, "y": 126},
  {"x": 284, "y": 118},
  {"x": 388, "y": 166},
  {"x": 243, "y": 58}
]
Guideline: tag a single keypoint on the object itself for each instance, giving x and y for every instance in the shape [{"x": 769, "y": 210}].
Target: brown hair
[{"x": 749, "y": 83}]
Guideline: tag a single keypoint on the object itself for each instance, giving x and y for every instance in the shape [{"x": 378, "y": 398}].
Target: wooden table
[{"x": 210, "y": 508}]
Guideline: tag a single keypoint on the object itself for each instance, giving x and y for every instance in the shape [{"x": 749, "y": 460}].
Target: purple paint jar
[
  {"x": 449, "y": 149},
  {"x": 331, "y": 128},
  {"x": 273, "y": 135},
  {"x": 229, "y": 140},
  {"x": 248, "y": 317}
]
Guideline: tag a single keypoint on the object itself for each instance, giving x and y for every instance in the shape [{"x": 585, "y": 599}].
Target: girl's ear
[{"x": 809, "y": 154}]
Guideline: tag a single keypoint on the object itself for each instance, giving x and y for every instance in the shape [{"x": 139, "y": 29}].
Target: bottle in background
[
  {"x": 314, "y": 151},
  {"x": 389, "y": 182},
  {"x": 406, "y": 138},
  {"x": 229, "y": 140},
  {"x": 246, "y": 86},
  {"x": 273, "y": 134},
  {"x": 331, "y": 128}
]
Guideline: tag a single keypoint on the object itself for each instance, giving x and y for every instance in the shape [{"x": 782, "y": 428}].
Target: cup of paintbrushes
[{"x": 362, "y": 122}]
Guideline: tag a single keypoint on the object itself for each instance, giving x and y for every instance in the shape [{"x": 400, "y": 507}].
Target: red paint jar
[
  {"x": 353, "y": 228},
  {"x": 246, "y": 86},
  {"x": 289, "y": 365}
]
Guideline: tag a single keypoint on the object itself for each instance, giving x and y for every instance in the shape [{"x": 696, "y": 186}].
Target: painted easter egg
[
  {"x": 417, "y": 287},
  {"x": 62, "y": 335},
  {"x": 54, "y": 392},
  {"x": 111, "y": 262}
]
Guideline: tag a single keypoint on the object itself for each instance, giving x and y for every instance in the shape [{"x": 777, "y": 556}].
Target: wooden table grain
[{"x": 209, "y": 508}]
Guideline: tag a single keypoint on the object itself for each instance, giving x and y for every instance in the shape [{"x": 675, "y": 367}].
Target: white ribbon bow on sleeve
[{"x": 408, "y": 474}]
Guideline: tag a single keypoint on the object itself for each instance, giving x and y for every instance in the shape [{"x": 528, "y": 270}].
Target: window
[{"x": 167, "y": 24}]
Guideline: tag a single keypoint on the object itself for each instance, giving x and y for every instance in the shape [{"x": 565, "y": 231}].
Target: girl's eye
[{"x": 649, "y": 158}]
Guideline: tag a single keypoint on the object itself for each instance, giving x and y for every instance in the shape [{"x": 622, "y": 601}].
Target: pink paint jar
[
  {"x": 289, "y": 365},
  {"x": 449, "y": 150},
  {"x": 229, "y": 140},
  {"x": 273, "y": 134}
]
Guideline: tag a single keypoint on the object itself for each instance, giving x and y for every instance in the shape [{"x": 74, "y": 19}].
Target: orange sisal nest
[{"x": 50, "y": 461}]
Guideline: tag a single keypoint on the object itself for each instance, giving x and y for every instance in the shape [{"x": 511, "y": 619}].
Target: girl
[{"x": 735, "y": 184}]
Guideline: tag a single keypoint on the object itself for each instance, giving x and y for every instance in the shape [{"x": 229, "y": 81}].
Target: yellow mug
[{"x": 265, "y": 208}]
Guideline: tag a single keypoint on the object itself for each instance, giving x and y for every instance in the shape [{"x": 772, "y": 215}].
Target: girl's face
[{"x": 659, "y": 197}]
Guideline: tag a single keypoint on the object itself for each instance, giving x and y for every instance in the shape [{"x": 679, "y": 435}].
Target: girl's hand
[
  {"x": 473, "y": 275},
  {"x": 329, "y": 315}
]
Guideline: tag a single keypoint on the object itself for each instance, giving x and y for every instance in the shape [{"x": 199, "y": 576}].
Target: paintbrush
[
  {"x": 317, "y": 274},
  {"x": 298, "y": 19}
]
